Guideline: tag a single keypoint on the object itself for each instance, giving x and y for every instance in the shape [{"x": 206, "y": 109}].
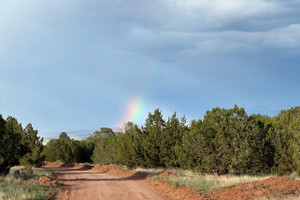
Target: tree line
[
  {"x": 225, "y": 141},
  {"x": 19, "y": 145}
]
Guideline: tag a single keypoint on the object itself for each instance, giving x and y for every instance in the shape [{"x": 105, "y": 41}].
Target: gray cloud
[
  {"x": 80, "y": 58},
  {"x": 222, "y": 42}
]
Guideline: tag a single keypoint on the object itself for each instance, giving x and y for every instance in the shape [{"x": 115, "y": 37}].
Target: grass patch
[
  {"x": 123, "y": 168},
  {"x": 149, "y": 171},
  {"x": 26, "y": 187},
  {"x": 206, "y": 182}
]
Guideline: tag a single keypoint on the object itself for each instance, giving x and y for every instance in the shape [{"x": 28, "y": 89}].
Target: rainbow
[{"x": 135, "y": 112}]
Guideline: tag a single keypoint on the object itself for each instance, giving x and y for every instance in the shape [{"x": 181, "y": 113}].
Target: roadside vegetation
[
  {"x": 205, "y": 183},
  {"x": 26, "y": 185},
  {"x": 199, "y": 181},
  {"x": 19, "y": 145},
  {"x": 226, "y": 141}
]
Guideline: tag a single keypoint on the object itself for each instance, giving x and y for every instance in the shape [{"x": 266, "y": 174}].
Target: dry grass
[
  {"x": 206, "y": 182},
  {"x": 149, "y": 171},
  {"x": 26, "y": 187}
]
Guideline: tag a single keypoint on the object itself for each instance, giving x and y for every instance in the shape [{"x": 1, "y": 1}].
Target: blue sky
[{"x": 75, "y": 65}]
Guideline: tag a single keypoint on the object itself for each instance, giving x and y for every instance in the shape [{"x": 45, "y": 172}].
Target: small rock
[{"x": 47, "y": 181}]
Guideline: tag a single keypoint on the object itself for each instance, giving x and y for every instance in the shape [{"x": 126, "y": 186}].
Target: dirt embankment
[
  {"x": 109, "y": 182},
  {"x": 271, "y": 188}
]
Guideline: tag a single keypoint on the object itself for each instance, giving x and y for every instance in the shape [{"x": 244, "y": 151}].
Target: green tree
[
  {"x": 171, "y": 137},
  {"x": 52, "y": 150},
  {"x": 193, "y": 148},
  {"x": 259, "y": 151},
  {"x": 68, "y": 150},
  {"x": 11, "y": 142},
  {"x": 3, "y": 164},
  {"x": 227, "y": 141},
  {"x": 103, "y": 132},
  {"x": 87, "y": 149},
  {"x": 152, "y": 135},
  {"x": 65, "y": 149},
  {"x": 64, "y": 137},
  {"x": 285, "y": 139},
  {"x": 106, "y": 151},
  {"x": 130, "y": 146},
  {"x": 31, "y": 147}
]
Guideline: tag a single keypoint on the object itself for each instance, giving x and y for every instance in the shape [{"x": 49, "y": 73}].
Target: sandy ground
[{"x": 83, "y": 184}]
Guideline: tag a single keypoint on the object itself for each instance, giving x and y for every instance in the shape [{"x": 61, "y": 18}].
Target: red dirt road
[
  {"x": 80, "y": 182},
  {"x": 83, "y": 184}
]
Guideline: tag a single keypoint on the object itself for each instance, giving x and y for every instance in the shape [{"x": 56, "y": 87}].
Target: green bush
[
  {"x": 225, "y": 141},
  {"x": 28, "y": 169}
]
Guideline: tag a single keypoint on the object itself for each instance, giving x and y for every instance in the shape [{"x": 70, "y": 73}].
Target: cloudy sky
[{"x": 77, "y": 65}]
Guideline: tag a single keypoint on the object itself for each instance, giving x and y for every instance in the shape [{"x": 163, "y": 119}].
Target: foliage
[
  {"x": 103, "y": 132},
  {"x": 152, "y": 134},
  {"x": 28, "y": 169},
  {"x": 208, "y": 182},
  {"x": 106, "y": 150},
  {"x": 225, "y": 141},
  {"x": 12, "y": 141},
  {"x": 4, "y": 163},
  {"x": 31, "y": 147},
  {"x": 28, "y": 187},
  {"x": 18, "y": 145},
  {"x": 285, "y": 139},
  {"x": 130, "y": 146},
  {"x": 68, "y": 150}
]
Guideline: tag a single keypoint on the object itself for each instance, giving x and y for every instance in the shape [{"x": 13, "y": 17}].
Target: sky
[{"x": 78, "y": 65}]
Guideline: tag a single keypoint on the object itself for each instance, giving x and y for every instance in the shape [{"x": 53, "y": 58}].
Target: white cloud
[
  {"x": 228, "y": 41},
  {"x": 142, "y": 39},
  {"x": 211, "y": 14},
  {"x": 287, "y": 37}
]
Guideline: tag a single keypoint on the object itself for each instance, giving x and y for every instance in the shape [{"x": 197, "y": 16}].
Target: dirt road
[
  {"x": 81, "y": 183},
  {"x": 84, "y": 184}
]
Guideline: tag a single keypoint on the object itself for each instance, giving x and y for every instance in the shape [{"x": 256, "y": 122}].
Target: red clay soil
[
  {"x": 109, "y": 182},
  {"x": 271, "y": 188},
  {"x": 113, "y": 170},
  {"x": 47, "y": 181},
  {"x": 80, "y": 183},
  {"x": 181, "y": 192},
  {"x": 167, "y": 173}
]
